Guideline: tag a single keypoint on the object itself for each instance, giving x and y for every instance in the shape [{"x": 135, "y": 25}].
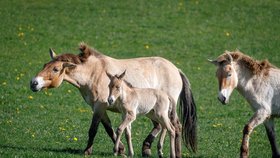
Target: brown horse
[{"x": 87, "y": 72}]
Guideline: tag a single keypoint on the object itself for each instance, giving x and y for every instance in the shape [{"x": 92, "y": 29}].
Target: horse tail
[{"x": 187, "y": 110}]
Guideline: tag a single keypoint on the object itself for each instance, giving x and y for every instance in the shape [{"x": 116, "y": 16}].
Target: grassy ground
[{"x": 54, "y": 123}]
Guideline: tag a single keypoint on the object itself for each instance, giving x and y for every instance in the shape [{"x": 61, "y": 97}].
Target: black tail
[{"x": 187, "y": 110}]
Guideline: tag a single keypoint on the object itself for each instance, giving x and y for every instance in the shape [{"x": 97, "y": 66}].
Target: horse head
[
  {"x": 115, "y": 87},
  {"x": 226, "y": 75},
  {"x": 52, "y": 74}
]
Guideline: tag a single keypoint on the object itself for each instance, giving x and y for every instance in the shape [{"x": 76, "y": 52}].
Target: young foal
[
  {"x": 155, "y": 104},
  {"x": 259, "y": 83}
]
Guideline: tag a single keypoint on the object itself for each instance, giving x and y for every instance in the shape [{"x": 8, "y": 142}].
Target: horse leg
[
  {"x": 171, "y": 129},
  {"x": 127, "y": 119},
  {"x": 270, "y": 131},
  {"x": 147, "y": 144},
  {"x": 160, "y": 142},
  {"x": 106, "y": 122},
  {"x": 128, "y": 139},
  {"x": 92, "y": 131},
  {"x": 178, "y": 136},
  {"x": 259, "y": 117}
]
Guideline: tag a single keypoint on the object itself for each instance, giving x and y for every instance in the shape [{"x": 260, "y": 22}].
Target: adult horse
[
  {"x": 258, "y": 82},
  {"x": 87, "y": 72}
]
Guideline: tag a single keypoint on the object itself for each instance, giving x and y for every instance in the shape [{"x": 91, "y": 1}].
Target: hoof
[
  {"x": 146, "y": 153},
  {"x": 121, "y": 150},
  {"x": 88, "y": 151}
]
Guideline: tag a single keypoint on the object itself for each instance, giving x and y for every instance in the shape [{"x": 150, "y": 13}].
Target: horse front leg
[
  {"x": 270, "y": 131},
  {"x": 96, "y": 118},
  {"x": 127, "y": 119},
  {"x": 129, "y": 140},
  {"x": 147, "y": 144},
  {"x": 259, "y": 117},
  {"x": 106, "y": 122}
]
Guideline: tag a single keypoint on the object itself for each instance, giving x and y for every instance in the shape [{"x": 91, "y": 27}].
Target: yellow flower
[
  {"x": 17, "y": 78},
  {"x": 69, "y": 91},
  {"x": 147, "y": 46},
  {"x": 227, "y": 34},
  {"x": 30, "y": 97},
  {"x": 62, "y": 129},
  {"x": 4, "y": 83},
  {"x": 75, "y": 139},
  {"x": 20, "y": 34}
]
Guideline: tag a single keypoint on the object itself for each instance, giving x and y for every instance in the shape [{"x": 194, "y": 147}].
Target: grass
[{"x": 54, "y": 123}]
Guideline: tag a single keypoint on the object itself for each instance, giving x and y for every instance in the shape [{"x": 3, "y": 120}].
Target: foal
[{"x": 153, "y": 103}]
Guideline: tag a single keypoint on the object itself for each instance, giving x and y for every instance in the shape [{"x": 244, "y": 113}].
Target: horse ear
[
  {"x": 69, "y": 65},
  {"x": 215, "y": 62},
  {"x": 52, "y": 54},
  {"x": 109, "y": 75},
  {"x": 122, "y": 75},
  {"x": 230, "y": 57}
]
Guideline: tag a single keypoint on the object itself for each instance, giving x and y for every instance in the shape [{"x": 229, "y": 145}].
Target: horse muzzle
[
  {"x": 110, "y": 100},
  {"x": 36, "y": 84}
]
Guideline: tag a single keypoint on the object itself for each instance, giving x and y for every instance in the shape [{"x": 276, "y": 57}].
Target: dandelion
[
  {"x": 4, "y": 83},
  {"x": 217, "y": 125},
  {"x": 30, "y": 97},
  {"x": 75, "y": 139},
  {"x": 227, "y": 34},
  {"x": 62, "y": 129},
  {"x": 147, "y": 46},
  {"x": 20, "y": 34},
  {"x": 17, "y": 78},
  {"x": 33, "y": 135},
  {"x": 69, "y": 91}
]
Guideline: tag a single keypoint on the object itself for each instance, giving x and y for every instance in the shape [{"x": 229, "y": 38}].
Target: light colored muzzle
[{"x": 36, "y": 84}]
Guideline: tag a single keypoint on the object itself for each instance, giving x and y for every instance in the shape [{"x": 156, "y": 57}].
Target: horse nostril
[
  {"x": 222, "y": 99},
  {"x": 35, "y": 83},
  {"x": 110, "y": 100}
]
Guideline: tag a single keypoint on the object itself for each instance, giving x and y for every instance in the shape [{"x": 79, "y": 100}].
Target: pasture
[{"x": 55, "y": 122}]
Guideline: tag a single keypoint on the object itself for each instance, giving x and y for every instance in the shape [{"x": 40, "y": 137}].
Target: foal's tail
[{"x": 187, "y": 110}]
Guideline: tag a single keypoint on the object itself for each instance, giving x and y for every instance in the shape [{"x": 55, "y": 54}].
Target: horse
[
  {"x": 87, "y": 72},
  {"x": 153, "y": 103},
  {"x": 258, "y": 82}
]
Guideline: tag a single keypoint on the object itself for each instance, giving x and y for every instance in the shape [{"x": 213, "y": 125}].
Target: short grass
[{"x": 54, "y": 123}]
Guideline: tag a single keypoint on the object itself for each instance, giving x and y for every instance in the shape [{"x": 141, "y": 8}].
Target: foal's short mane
[
  {"x": 257, "y": 67},
  {"x": 82, "y": 57}
]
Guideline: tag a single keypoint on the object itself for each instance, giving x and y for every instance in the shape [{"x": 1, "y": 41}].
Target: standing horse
[
  {"x": 258, "y": 82},
  {"x": 87, "y": 72},
  {"x": 155, "y": 104}
]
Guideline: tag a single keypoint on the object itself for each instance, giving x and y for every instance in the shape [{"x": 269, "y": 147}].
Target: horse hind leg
[
  {"x": 269, "y": 126},
  {"x": 160, "y": 142},
  {"x": 147, "y": 144}
]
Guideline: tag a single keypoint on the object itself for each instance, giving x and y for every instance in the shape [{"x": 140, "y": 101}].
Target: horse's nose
[
  {"x": 222, "y": 99},
  {"x": 110, "y": 100},
  {"x": 33, "y": 85}
]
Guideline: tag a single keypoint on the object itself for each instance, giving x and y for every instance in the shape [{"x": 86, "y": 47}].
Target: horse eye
[
  {"x": 229, "y": 74},
  {"x": 55, "y": 70}
]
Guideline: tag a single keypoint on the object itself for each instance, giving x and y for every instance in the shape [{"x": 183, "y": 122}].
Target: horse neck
[
  {"x": 86, "y": 74},
  {"x": 126, "y": 93},
  {"x": 244, "y": 76}
]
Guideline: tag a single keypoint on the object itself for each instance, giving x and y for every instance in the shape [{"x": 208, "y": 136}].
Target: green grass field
[{"x": 54, "y": 123}]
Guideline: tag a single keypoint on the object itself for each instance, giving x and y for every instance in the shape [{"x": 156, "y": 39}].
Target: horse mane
[
  {"x": 255, "y": 66},
  {"x": 82, "y": 57},
  {"x": 125, "y": 81},
  {"x": 128, "y": 84}
]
